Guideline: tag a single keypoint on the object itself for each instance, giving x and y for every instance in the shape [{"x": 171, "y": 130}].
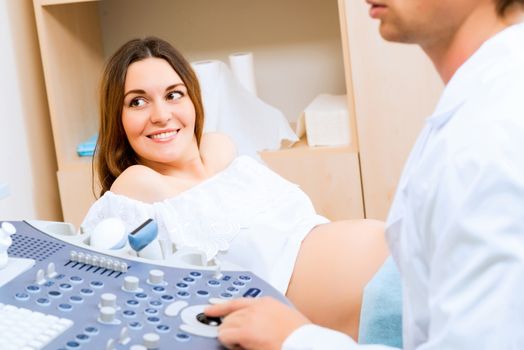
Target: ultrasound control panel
[{"x": 59, "y": 295}]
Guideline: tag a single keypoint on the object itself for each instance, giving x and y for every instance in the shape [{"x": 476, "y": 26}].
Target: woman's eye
[
  {"x": 174, "y": 95},
  {"x": 137, "y": 102}
]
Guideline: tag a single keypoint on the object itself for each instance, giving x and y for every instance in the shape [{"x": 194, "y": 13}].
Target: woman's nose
[{"x": 160, "y": 113}]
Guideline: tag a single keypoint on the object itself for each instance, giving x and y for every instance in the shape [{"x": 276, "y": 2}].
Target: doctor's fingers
[
  {"x": 226, "y": 308},
  {"x": 263, "y": 325},
  {"x": 234, "y": 331}
]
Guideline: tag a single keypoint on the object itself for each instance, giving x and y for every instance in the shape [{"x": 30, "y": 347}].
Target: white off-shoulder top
[{"x": 247, "y": 214}]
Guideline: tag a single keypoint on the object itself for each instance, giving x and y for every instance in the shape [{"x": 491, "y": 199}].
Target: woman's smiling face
[{"x": 158, "y": 116}]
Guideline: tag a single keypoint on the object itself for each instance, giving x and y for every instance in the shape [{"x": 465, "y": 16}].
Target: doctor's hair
[
  {"x": 113, "y": 153},
  {"x": 503, "y": 5}
]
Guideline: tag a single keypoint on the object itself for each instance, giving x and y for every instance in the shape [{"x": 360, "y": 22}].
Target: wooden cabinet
[
  {"x": 302, "y": 48},
  {"x": 394, "y": 87}
]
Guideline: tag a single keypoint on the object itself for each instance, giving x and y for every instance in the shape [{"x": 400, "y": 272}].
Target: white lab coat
[{"x": 456, "y": 225}]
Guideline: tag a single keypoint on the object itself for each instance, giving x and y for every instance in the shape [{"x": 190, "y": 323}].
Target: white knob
[
  {"x": 123, "y": 267},
  {"x": 81, "y": 257},
  {"x": 137, "y": 347},
  {"x": 51, "y": 270},
  {"x": 218, "y": 272},
  {"x": 151, "y": 340},
  {"x": 131, "y": 283},
  {"x": 156, "y": 276},
  {"x": 40, "y": 276},
  {"x": 108, "y": 299},
  {"x": 73, "y": 255},
  {"x": 124, "y": 336},
  {"x": 110, "y": 345},
  {"x": 107, "y": 314},
  {"x": 8, "y": 228}
]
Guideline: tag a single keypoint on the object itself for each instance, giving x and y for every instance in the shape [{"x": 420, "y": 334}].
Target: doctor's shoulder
[
  {"x": 217, "y": 150},
  {"x": 141, "y": 183}
]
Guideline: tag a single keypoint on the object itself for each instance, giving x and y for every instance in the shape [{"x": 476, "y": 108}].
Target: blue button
[
  {"x": 141, "y": 296},
  {"x": 167, "y": 297},
  {"x": 151, "y": 311},
  {"x": 239, "y": 284},
  {"x": 43, "y": 301},
  {"x": 159, "y": 289},
  {"x": 153, "y": 319},
  {"x": 72, "y": 344},
  {"x": 82, "y": 338},
  {"x": 213, "y": 283},
  {"x": 76, "y": 299},
  {"x": 22, "y": 296},
  {"x": 76, "y": 279},
  {"x": 54, "y": 294},
  {"x": 155, "y": 303},
  {"x": 33, "y": 288},
  {"x": 91, "y": 330},
  {"x": 226, "y": 295},
  {"x": 96, "y": 284},
  {"x": 244, "y": 278},
  {"x": 49, "y": 284},
  {"x": 232, "y": 290},
  {"x": 65, "y": 286},
  {"x": 252, "y": 292},
  {"x": 181, "y": 285},
  {"x": 60, "y": 276},
  {"x": 226, "y": 278},
  {"x": 135, "y": 325},
  {"x": 202, "y": 293},
  {"x": 86, "y": 291},
  {"x": 129, "y": 313},
  {"x": 132, "y": 303},
  {"x": 183, "y": 294},
  {"x": 195, "y": 274},
  {"x": 182, "y": 337},
  {"x": 65, "y": 307},
  {"x": 189, "y": 280},
  {"x": 162, "y": 328}
]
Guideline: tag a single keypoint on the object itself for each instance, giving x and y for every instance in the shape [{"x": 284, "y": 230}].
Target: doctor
[{"x": 456, "y": 226}]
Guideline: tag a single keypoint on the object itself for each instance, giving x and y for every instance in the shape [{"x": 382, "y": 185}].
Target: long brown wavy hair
[
  {"x": 113, "y": 153},
  {"x": 502, "y": 5}
]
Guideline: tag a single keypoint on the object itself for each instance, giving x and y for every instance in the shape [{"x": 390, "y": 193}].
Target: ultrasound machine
[{"x": 58, "y": 292}]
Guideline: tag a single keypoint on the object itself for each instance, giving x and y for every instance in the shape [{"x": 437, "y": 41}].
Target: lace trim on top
[{"x": 208, "y": 216}]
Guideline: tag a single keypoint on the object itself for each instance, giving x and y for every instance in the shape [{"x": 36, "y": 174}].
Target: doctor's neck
[{"x": 460, "y": 42}]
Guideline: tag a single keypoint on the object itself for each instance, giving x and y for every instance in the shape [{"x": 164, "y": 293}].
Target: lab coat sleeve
[
  {"x": 475, "y": 243},
  {"x": 312, "y": 337}
]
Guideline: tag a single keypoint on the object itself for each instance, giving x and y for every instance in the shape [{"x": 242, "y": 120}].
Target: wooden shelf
[
  {"x": 302, "y": 147},
  {"x": 75, "y": 37},
  {"x": 329, "y": 175},
  {"x": 61, "y": 2}
]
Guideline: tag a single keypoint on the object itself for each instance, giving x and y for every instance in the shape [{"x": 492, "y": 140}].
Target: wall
[
  {"x": 27, "y": 160},
  {"x": 296, "y": 43},
  {"x": 396, "y": 88}
]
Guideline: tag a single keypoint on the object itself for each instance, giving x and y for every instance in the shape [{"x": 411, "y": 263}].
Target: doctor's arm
[{"x": 267, "y": 324}]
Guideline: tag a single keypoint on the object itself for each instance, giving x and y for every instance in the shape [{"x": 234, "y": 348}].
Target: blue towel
[
  {"x": 87, "y": 148},
  {"x": 381, "y": 313}
]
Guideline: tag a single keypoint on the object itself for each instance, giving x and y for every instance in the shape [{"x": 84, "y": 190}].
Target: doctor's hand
[{"x": 261, "y": 324}]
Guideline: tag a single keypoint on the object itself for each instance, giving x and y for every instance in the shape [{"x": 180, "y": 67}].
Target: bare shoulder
[
  {"x": 218, "y": 150},
  {"x": 141, "y": 183}
]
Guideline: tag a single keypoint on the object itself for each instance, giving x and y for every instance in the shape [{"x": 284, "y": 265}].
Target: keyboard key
[{"x": 24, "y": 328}]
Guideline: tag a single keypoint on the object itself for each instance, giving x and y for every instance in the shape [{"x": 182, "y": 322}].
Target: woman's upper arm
[
  {"x": 218, "y": 148},
  {"x": 138, "y": 182}
]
